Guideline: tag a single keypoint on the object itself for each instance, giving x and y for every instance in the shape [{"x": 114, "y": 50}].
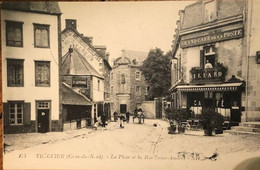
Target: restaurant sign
[{"x": 213, "y": 36}]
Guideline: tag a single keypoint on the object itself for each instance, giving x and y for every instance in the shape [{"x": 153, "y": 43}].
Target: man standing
[
  {"x": 127, "y": 117},
  {"x": 103, "y": 120}
]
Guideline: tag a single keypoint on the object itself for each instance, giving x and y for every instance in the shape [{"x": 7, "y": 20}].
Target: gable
[{"x": 70, "y": 38}]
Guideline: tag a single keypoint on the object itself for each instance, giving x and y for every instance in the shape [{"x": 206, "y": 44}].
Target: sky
[{"x": 138, "y": 26}]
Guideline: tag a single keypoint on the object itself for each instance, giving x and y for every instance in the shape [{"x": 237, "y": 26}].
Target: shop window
[
  {"x": 14, "y": 33},
  {"x": 16, "y": 113},
  {"x": 15, "y": 73},
  {"x": 41, "y": 36},
  {"x": 210, "y": 11},
  {"x": 42, "y": 73}
]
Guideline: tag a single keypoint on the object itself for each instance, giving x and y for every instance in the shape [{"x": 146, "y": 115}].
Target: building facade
[
  {"x": 128, "y": 88},
  {"x": 95, "y": 67},
  {"x": 31, "y": 53},
  {"x": 207, "y": 65}
]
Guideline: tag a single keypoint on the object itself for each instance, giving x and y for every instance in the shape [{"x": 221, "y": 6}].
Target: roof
[
  {"x": 73, "y": 63},
  {"x": 130, "y": 56},
  {"x": 45, "y": 7},
  {"x": 88, "y": 43},
  {"x": 210, "y": 87},
  {"x": 71, "y": 97}
]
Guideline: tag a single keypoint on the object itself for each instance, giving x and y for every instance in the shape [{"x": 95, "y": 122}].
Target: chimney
[
  {"x": 71, "y": 23},
  {"x": 102, "y": 50},
  {"x": 89, "y": 39}
]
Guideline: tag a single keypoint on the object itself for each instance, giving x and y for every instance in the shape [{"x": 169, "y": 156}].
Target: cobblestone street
[{"x": 126, "y": 148}]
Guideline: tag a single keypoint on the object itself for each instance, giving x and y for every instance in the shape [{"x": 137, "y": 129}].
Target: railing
[{"x": 199, "y": 75}]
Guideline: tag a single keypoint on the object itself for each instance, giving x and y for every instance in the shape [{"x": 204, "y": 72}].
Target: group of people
[{"x": 123, "y": 118}]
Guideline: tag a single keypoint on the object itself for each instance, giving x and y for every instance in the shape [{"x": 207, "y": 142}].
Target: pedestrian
[
  {"x": 103, "y": 120},
  {"x": 127, "y": 117},
  {"x": 115, "y": 116},
  {"x": 122, "y": 118}
]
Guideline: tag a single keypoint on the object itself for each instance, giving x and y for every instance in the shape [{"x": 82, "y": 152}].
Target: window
[
  {"x": 209, "y": 56},
  {"x": 137, "y": 75},
  {"x": 137, "y": 88},
  {"x": 41, "y": 36},
  {"x": 42, "y": 73},
  {"x": 15, "y": 113},
  {"x": 98, "y": 85},
  {"x": 122, "y": 79},
  {"x": 210, "y": 11},
  {"x": 112, "y": 88},
  {"x": 147, "y": 90},
  {"x": 14, "y": 34},
  {"x": 112, "y": 76},
  {"x": 14, "y": 73}
]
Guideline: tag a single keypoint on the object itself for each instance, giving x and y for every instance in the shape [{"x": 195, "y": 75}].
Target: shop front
[{"x": 224, "y": 98}]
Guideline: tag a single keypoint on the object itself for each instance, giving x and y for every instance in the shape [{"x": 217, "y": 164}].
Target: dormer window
[{"x": 210, "y": 11}]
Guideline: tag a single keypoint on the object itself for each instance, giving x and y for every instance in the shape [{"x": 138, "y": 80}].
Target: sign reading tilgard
[{"x": 214, "y": 36}]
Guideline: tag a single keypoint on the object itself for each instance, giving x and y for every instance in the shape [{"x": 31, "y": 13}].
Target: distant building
[
  {"x": 85, "y": 69},
  {"x": 219, "y": 37},
  {"x": 128, "y": 88},
  {"x": 31, "y": 53}
]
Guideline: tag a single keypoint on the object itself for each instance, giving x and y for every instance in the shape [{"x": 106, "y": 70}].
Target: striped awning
[{"x": 209, "y": 87}]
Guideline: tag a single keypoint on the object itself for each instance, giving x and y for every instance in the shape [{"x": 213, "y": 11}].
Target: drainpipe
[{"x": 248, "y": 51}]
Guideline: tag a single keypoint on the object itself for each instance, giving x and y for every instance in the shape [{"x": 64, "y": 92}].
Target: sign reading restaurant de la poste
[{"x": 212, "y": 36}]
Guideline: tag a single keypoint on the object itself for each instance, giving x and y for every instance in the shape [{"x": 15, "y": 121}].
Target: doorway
[
  {"x": 43, "y": 117},
  {"x": 123, "y": 108}
]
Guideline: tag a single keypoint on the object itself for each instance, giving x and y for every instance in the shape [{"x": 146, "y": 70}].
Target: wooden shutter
[
  {"x": 6, "y": 113},
  {"x": 27, "y": 113},
  {"x": 202, "y": 58}
]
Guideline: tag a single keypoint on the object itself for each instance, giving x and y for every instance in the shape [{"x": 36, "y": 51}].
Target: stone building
[
  {"x": 209, "y": 60},
  {"x": 86, "y": 70},
  {"x": 31, "y": 53},
  {"x": 127, "y": 84}
]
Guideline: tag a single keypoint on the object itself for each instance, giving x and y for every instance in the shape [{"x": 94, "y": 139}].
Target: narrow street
[{"x": 137, "y": 146}]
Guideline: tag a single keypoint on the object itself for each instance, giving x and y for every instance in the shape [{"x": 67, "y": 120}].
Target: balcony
[{"x": 208, "y": 75}]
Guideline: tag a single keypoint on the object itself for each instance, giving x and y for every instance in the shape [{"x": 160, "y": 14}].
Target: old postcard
[{"x": 131, "y": 85}]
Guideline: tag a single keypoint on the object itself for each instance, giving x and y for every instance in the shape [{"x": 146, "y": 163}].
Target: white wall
[
  {"x": 190, "y": 58},
  {"x": 98, "y": 95},
  {"x": 30, "y": 93}
]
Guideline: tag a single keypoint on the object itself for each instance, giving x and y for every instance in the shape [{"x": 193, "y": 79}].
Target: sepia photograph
[{"x": 130, "y": 85}]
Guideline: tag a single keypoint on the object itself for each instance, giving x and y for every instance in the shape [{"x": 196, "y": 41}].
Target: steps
[{"x": 245, "y": 128}]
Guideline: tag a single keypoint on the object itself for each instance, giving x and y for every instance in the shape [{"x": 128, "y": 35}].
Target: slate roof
[
  {"x": 45, "y": 7},
  {"x": 73, "y": 63},
  {"x": 71, "y": 97}
]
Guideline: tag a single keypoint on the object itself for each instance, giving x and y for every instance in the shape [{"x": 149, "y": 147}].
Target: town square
[{"x": 131, "y": 85}]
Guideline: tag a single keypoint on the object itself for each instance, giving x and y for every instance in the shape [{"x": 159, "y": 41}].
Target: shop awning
[{"x": 210, "y": 87}]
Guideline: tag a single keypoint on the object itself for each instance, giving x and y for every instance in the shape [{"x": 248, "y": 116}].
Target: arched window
[{"x": 137, "y": 75}]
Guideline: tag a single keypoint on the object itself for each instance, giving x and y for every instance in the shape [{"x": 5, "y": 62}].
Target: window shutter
[
  {"x": 202, "y": 58},
  {"x": 6, "y": 113},
  {"x": 27, "y": 113}
]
